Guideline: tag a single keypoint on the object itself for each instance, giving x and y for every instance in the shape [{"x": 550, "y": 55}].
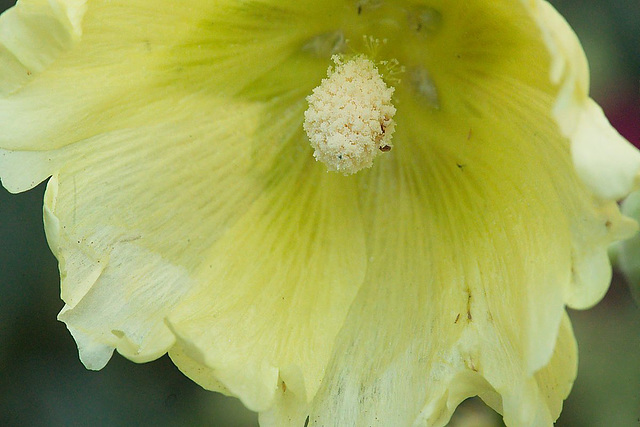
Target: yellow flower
[{"x": 189, "y": 216}]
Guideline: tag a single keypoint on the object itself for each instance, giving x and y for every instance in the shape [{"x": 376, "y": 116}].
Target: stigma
[{"x": 349, "y": 121}]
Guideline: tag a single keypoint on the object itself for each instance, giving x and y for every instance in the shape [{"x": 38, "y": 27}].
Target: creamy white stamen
[{"x": 349, "y": 121}]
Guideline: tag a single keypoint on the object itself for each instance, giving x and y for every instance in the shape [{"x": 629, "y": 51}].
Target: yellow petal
[
  {"x": 134, "y": 238},
  {"x": 123, "y": 253},
  {"x": 32, "y": 35},
  {"x": 470, "y": 296},
  {"x": 280, "y": 290},
  {"x": 201, "y": 374},
  {"x": 555, "y": 380},
  {"x": 607, "y": 162},
  {"x": 173, "y": 49},
  {"x": 472, "y": 280}
]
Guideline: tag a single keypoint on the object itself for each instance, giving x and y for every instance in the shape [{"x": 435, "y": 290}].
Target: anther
[{"x": 349, "y": 121}]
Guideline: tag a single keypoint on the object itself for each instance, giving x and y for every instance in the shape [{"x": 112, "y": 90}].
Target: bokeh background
[{"x": 42, "y": 382}]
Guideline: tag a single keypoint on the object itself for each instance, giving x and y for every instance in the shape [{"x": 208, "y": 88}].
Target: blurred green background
[{"x": 42, "y": 382}]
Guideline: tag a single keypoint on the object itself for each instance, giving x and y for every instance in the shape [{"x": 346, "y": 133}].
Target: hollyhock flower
[{"x": 351, "y": 212}]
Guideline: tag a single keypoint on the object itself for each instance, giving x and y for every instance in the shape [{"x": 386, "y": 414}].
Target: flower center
[{"x": 349, "y": 121}]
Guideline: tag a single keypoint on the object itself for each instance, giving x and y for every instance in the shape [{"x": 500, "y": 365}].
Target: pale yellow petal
[
  {"x": 201, "y": 374},
  {"x": 32, "y": 35},
  {"x": 275, "y": 290},
  {"x": 604, "y": 160},
  {"x": 556, "y": 379},
  {"x": 471, "y": 306},
  {"x": 181, "y": 188},
  {"x": 118, "y": 285},
  {"x": 120, "y": 276},
  {"x": 471, "y": 282},
  {"x": 135, "y": 55}
]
